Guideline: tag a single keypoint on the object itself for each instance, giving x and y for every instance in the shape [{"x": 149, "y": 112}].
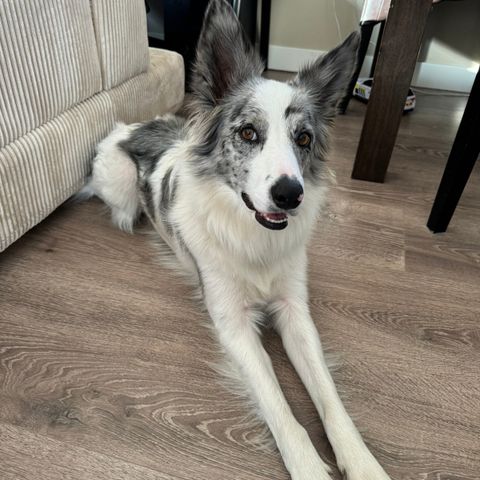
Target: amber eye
[
  {"x": 303, "y": 140},
  {"x": 249, "y": 134}
]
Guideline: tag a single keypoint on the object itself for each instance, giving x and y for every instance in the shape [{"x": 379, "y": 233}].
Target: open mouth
[{"x": 273, "y": 221}]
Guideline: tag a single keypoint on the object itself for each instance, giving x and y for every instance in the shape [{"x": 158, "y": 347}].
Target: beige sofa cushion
[
  {"x": 159, "y": 90},
  {"x": 48, "y": 62},
  {"x": 43, "y": 168},
  {"x": 121, "y": 30}
]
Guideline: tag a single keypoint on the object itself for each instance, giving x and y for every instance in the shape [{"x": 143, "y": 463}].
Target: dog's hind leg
[
  {"x": 237, "y": 331},
  {"x": 302, "y": 343},
  {"x": 114, "y": 178}
]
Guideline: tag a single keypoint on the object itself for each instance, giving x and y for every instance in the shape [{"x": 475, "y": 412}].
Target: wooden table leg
[
  {"x": 393, "y": 73},
  {"x": 462, "y": 158}
]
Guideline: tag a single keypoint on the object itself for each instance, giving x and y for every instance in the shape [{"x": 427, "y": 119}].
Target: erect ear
[
  {"x": 225, "y": 58},
  {"x": 326, "y": 80}
]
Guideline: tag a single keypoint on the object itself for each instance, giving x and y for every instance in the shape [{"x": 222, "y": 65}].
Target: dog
[{"x": 234, "y": 190}]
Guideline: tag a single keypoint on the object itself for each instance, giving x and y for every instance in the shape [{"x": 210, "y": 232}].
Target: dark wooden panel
[{"x": 265, "y": 29}]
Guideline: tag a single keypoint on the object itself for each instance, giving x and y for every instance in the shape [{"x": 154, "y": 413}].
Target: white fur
[
  {"x": 242, "y": 266},
  {"x": 277, "y": 157},
  {"x": 114, "y": 178}
]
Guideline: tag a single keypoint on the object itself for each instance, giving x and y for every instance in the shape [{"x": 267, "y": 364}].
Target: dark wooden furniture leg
[
  {"x": 377, "y": 48},
  {"x": 464, "y": 154},
  {"x": 396, "y": 62},
  {"x": 366, "y": 30},
  {"x": 265, "y": 30}
]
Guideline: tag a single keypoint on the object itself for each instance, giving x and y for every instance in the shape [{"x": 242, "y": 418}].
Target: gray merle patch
[
  {"x": 149, "y": 142},
  {"x": 225, "y": 57},
  {"x": 147, "y": 145}
]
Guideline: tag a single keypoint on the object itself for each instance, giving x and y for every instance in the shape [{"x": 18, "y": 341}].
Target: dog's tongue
[
  {"x": 273, "y": 221},
  {"x": 275, "y": 216}
]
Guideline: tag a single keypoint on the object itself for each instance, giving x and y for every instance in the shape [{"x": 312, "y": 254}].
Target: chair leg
[
  {"x": 396, "y": 63},
  {"x": 462, "y": 158},
  {"x": 377, "y": 48},
  {"x": 366, "y": 30}
]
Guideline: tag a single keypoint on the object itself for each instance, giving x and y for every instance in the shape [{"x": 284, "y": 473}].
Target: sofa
[{"x": 69, "y": 70}]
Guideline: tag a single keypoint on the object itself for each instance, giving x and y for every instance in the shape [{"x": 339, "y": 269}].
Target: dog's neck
[{"x": 219, "y": 221}]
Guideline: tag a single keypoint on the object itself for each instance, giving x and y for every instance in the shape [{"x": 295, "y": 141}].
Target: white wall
[
  {"x": 452, "y": 36},
  {"x": 311, "y": 24},
  {"x": 302, "y": 29}
]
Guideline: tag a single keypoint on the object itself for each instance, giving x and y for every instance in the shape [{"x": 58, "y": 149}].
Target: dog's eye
[
  {"x": 249, "y": 134},
  {"x": 303, "y": 140}
]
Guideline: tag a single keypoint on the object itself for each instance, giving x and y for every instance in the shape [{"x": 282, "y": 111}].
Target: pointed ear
[
  {"x": 225, "y": 58},
  {"x": 328, "y": 77}
]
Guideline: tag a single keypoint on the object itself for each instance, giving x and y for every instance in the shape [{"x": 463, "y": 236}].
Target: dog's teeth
[{"x": 273, "y": 220}]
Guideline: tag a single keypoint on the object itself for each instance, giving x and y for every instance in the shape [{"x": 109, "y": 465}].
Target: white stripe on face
[{"x": 277, "y": 157}]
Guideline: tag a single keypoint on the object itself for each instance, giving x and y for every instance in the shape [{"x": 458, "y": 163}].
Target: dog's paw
[
  {"x": 310, "y": 472},
  {"x": 304, "y": 463},
  {"x": 364, "y": 468}
]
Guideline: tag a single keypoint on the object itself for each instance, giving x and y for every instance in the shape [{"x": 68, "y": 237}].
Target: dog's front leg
[
  {"x": 235, "y": 325},
  {"x": 302, "y": 343}
]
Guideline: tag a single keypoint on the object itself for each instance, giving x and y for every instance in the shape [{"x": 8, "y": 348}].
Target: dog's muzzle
[{"x": 273, "y": 220}]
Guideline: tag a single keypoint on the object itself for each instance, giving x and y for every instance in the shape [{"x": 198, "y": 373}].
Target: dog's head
[{"x": 265, "y": 139}]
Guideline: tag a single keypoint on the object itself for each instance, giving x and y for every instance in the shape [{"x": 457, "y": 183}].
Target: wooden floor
[{"x": 104, "y": 358}]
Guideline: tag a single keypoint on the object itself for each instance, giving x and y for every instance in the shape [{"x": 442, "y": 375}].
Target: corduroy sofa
[{"x": 70, "y": 69}]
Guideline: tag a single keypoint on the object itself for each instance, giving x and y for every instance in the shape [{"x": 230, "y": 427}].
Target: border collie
[{"x": 234, "y": 190}]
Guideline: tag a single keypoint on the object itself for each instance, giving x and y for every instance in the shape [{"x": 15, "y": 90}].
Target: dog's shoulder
[{"x": 149, "y": 142}]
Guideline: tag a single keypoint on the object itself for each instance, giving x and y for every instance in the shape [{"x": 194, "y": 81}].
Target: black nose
[{"x": 287, "y": 193}]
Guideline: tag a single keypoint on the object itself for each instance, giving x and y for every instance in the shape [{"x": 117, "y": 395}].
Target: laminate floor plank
[
  {"x": 26, "y": 455},
  {"x": 106, "y": 360}
]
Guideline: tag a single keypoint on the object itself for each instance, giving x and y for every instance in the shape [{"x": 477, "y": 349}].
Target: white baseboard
[{"x": 427, "y": 75}]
